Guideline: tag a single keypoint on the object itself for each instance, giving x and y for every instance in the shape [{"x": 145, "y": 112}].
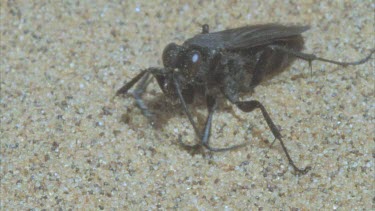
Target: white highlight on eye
[{"x": 195, "y": 58}]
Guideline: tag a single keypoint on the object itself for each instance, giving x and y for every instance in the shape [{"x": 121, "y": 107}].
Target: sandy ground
[{"x": 66, "y": 143}]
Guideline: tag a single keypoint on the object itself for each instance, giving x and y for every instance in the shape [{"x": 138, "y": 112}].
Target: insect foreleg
[
  {"x": 184, "y": 105},
  {"x": 143, "y": 79},
  {"x": 138, "y": 92},
  {"x": 124, "y": 89}
]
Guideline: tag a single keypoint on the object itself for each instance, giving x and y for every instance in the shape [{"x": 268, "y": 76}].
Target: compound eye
[
  {"x": 172, "y": 55},
  {"x": 193, "y": 62}
]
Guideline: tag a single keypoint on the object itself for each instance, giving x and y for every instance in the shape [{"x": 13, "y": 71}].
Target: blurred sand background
[{"x": 66, "y": 144}]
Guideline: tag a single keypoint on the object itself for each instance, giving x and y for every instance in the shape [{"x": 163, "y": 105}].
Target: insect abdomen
[{"x": 270, "y": 62}]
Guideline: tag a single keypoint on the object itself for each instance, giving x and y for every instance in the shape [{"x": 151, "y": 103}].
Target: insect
[{"x": 226, "y": 64}]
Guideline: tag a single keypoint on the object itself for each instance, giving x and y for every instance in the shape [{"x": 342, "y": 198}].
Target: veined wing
[{"x": 246, "y": 37}]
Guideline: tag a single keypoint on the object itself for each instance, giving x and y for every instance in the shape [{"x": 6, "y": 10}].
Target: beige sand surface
[{"x": 66, "y": 144}]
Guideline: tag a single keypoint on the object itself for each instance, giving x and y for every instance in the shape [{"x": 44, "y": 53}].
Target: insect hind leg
[
  {"x": 312, "y": 57},
  {"x": 248, "y": 106}
]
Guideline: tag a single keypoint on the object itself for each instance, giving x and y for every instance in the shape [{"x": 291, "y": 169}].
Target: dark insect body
[{"x": 226, "y": 64}]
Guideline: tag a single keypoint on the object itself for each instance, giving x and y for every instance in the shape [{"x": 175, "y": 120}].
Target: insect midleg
[
  {"x": 312, "y": 57},
  {"x": 248, "y": 106},
  {"x": 211, "y": 106}
]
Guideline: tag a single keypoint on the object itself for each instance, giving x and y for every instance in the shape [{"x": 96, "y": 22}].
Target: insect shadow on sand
[{"x": 225, "y": 65}]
